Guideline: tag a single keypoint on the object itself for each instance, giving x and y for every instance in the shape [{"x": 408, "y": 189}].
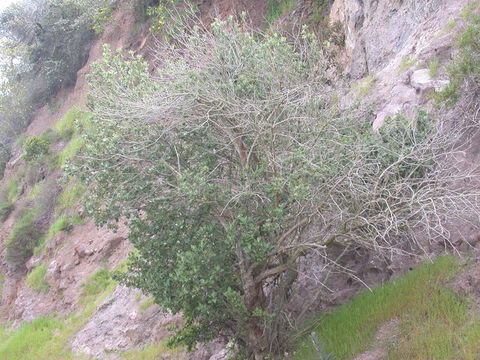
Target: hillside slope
[{"x": 63, "y": 304}]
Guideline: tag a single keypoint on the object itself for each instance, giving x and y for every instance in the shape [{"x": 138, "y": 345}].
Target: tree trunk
[{"x": 255, "y": 299}]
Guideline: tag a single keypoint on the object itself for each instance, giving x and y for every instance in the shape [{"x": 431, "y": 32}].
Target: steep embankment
[
  {"x": 72, "y": 268},
  {"x": 395, "y": 52}
]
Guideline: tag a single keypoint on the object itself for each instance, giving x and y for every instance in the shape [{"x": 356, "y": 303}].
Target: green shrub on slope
[
  {"x": 36, "y": 147},
  {"x": 23, "y": 239}
]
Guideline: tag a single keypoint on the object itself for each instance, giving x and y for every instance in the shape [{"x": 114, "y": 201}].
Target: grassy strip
[
  {"x": 153, "y": 352},
  {"x": 434, "y": 321},
  {"x": 47, "y": 338}
]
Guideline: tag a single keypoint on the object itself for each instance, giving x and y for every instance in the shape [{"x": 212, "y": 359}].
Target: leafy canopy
[{"x": 232, "y": 161}]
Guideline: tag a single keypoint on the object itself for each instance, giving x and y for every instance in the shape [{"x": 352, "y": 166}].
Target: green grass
[
  {"x": 277, "y": 8},
  {"x": 23, "y": 238},
  {"x": 13, "y": 190},
  {"x": 35, "y": 190},
  {"x": 70, "y": 196},
  {"x": 6, "y": 208},
  {"x": 146, "y": 304},
  {"x": 47, "y": 338},
  {"x": 434, "y": 322},
  {"x": 65, "y": 127},
  {"x": 364, "y": 86},
  {"x": 96, "y": 284},
  {"x": 72, "y": 149},
  {"x": 36, "y": 279},
  {"x": 153, "y": 352},
  {"x": 30, "y": 340},
  {"x": 469, "y": 10},
  {"x": 465, "y": 67},
  {"x": 405, "y": 64},
  {"x": 62, "y": 223},
  {"x": 433, "y": 66}
]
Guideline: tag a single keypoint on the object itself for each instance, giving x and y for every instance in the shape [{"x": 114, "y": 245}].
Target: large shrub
[{"x": 233, "y": 162}]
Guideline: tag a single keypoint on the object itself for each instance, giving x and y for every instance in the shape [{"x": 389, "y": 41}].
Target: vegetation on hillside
[
  {"x": 233, "y": 161},
  {"x": 431, "y": 320},
  {"x": 230, "y": 163},
  {"x": 465, "y": 69},
  {"x": 47, "y": 338},
  {"x": 44, "y": 43}
]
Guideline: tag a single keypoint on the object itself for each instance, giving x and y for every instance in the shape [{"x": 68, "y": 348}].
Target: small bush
[
  {"x": 102, "y": 18},
  {"x": 36, "y": 279},
  {"x": 5, "y": 210},
  {"x": 35, "y": 147},
  {"x": 22, "y": 239}
]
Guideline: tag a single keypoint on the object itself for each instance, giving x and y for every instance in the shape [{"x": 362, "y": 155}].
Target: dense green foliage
[{"x": 50, "y": 38}]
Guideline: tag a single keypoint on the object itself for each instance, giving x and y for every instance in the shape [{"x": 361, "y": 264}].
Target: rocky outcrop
[
  {"x": 393, "y": 41},
  {"x": 377, "y": 32},
  {"x": 120, "y": 324}
]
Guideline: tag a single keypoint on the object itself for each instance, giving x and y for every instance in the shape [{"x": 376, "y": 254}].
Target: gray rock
[{"x": 119, "y": 325}]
